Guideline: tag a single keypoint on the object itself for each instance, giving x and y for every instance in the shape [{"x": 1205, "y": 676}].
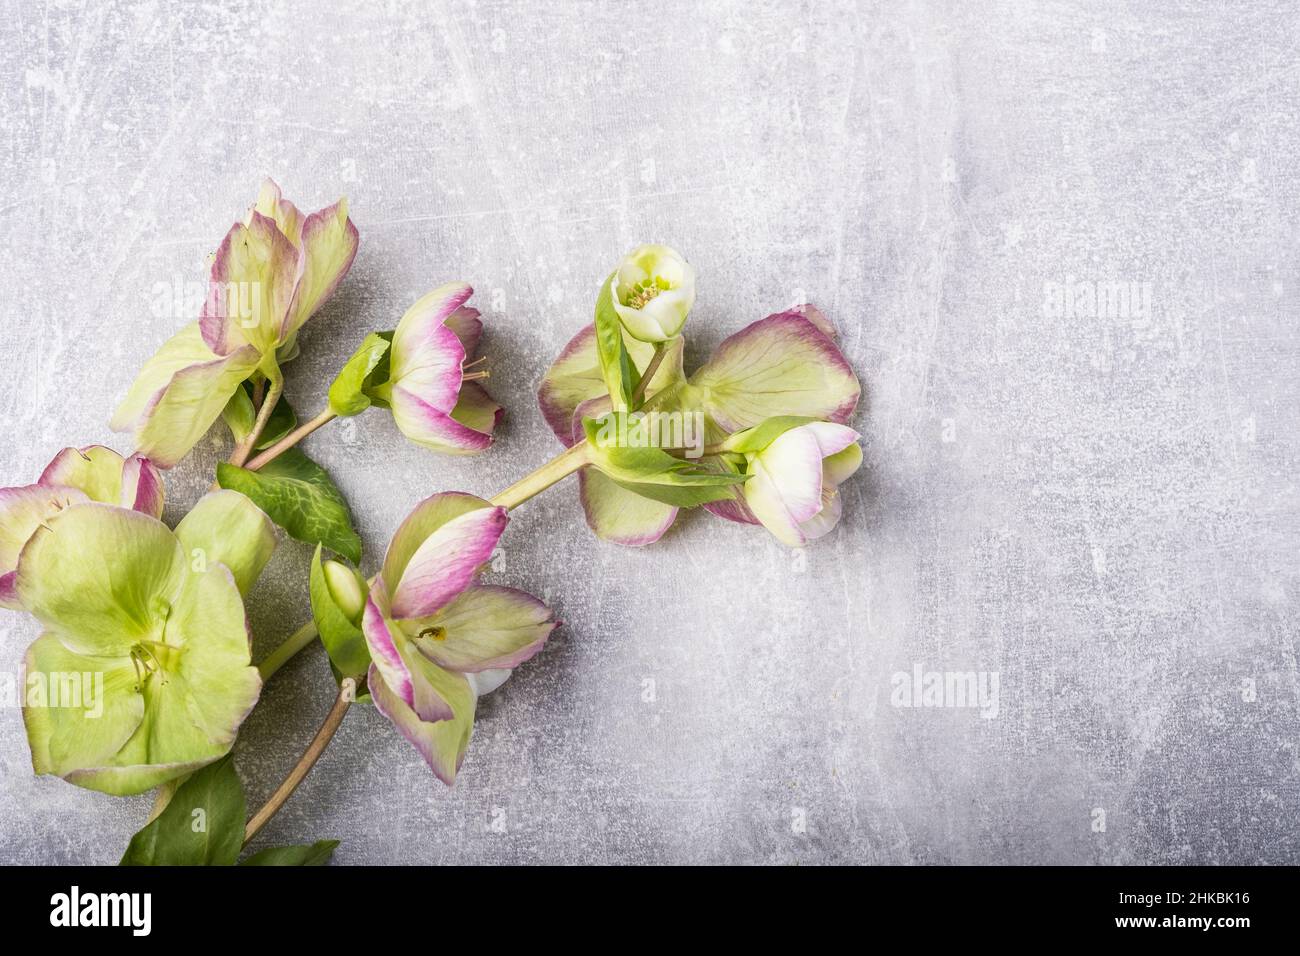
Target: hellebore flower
[
  {"x": 437, "y": 640},
  {"x": 793, "y": 488},
  {"x": 149, "y": 623},
  {"x": 785, "y": 364},
  {"x": 653, "y": 290},
  {"x": 270, "y": 274},
  {"x": 432, "y": 389},
  {"x": 93, "y": 473}
]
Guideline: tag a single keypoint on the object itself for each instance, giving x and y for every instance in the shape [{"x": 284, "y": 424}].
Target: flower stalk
[
  {"x": 555, "y": 470},
  {"x": 294, "y": 643},
  {"x": 245, "y": 447},
  {"x": 326, "y": 416},
  {"x": 347, "y": 693}
]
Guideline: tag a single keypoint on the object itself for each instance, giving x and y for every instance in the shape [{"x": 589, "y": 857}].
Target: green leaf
[
  {"x": 653, "y": 473},
  {"x": 615, "y": 364},
  {"x": 764, "y": 433},
  {"x": 300, "y": 497},
  {"x": 203, "y": 825},
  {"x": 367, "y": 366},
  {"x": 314, "y": 854},
  {"x": 343, "y": 640},
  {"x": 240, "y": 416}
]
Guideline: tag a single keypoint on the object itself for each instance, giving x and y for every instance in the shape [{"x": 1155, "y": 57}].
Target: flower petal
[
  {"x": 22, "y": 511},
  {"x": 208, "y": 624},
  {"x": 426, "y": 518},
  {"x": 227, "y": 528},
  {"x": 142, "y": 486},
  {"x": 793, "y": 465},
  {"x": 425, "y": 425},
  {"x": 467, "y": 325},
  {"x": 476, "y": 409},
  {"x": 102, "y": 578},
  {"x": 733, "y": 509},
  {"x": 179, "y": 393},
  {"x": 384, "y": 639},
  {"x": 825, "y": 519},
  {"x": 840, "y": 466},
  {"x": 251, "y": 288},
  {"x": 95, "y": 469},
  {"x": 575, "y": 377},
  {"x": 447, "y": 561},
  {"x": 442, "y": 743},
  {"x": 426, "y": 356},
  {"x": 79, "y": 710},
  {"x": 781, "y": 365},
  {"x": 621, "y": 516},
  {"x": 329, "y": 245},
  {"x": 270, "y": 203},
  {"x": 484, "y": 628}
]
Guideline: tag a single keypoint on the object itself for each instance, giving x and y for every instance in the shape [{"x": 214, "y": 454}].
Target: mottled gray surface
[{"x": 1102, "y": 508}]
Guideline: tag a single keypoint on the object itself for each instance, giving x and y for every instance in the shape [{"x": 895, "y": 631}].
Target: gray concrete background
[{"x": 1101, "y": 507}]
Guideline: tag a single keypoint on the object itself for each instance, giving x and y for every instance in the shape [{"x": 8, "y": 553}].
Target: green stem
[
  {"x": 291, "y": 646},
  {"x": 661, "y": 349},
  {"x": 291, "y": 439},
  {"x": 347, "y": 693},
  {"x": 551, "y": 472},
  {"x": 245, "y": 447}
]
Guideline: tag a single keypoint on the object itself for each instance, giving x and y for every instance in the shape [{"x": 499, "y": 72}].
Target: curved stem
[
  {"x": 661, "y": 349},
  {"x": 554, "y": 470},
  {"x": 347, "y": 691},
  {"x": 245, "y": 447},
  {"x": 291, "y": 439},
  {"x": 291, "y": 646}
]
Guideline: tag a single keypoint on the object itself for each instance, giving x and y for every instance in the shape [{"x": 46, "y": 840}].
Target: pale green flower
[
  {"x": 653, "y": 291},
  {"x": 149, "y": 624}
]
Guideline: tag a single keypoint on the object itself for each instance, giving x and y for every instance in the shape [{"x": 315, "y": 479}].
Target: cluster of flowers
[{"x": 160, "y": 611}]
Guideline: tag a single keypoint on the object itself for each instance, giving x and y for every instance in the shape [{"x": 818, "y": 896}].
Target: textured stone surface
[{"x": 1100, "y": 507}]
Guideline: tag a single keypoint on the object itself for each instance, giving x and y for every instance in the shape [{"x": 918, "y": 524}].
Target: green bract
[
  {"x": 620, "y": 450},
  {"x": 338, "y": 598},
  {"x": 143, "y": 671}
]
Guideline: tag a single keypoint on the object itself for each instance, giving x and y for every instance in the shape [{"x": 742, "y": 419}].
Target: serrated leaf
[
  {"x": 312, "y": 854},
  {"x": 367, "y": 365},
  {"x": 301, "y": 498},
  {"x": 343, "y": 640},
  {"x": 203, "y": 825},
  {"x": 653, "y": 473},
  {"x": 615, "y": 363}
]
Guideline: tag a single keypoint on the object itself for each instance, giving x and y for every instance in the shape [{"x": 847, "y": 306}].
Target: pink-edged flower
[
  {"x": 787, "y": 364},
  {"x": 437, "y": 639},
  {"x": 272, "y": 272},
  {"x": 793, "y": 484},
  {"x": 433, "y": 388},
  {"x": 75, "y": 475}
]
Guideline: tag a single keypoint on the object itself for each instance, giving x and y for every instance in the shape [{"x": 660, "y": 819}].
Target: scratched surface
[{"x": 1092, "y": 497}]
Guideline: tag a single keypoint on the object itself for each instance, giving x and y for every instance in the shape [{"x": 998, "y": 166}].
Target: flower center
[
  {"x": 645, "y": 290},
  {"x": 149, "y": 658}
]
